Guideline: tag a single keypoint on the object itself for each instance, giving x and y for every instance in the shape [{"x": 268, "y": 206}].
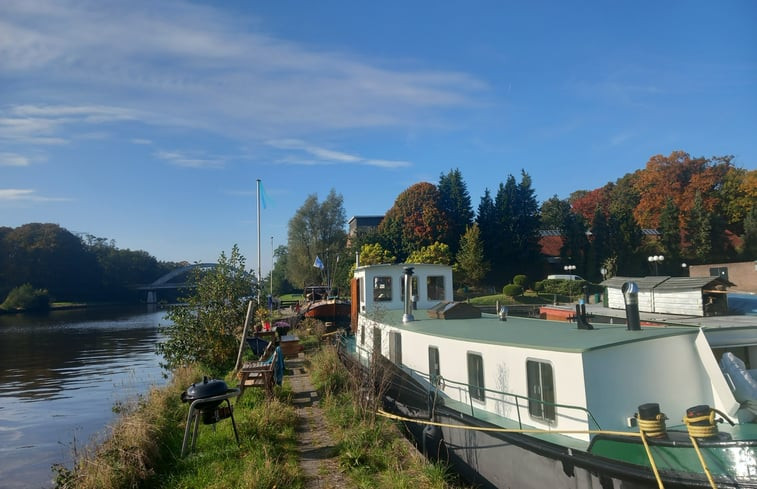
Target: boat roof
[
  {"x": 538, "y": 334},
  {"x": 668, "y": 282}
]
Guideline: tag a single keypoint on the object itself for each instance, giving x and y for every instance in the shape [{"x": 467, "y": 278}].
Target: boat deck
[{"x": 528, "y": 332}]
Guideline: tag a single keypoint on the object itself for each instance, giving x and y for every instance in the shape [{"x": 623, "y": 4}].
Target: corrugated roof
[
  {"x": 644, "y": 283},
  {"x": 669, "y": 283}
]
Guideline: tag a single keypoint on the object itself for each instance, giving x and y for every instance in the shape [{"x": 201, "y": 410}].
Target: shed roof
[{"x": 670, "y": 283}]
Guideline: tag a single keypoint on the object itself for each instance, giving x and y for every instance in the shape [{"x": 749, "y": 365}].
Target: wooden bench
[{"x": 259, "y": 373}]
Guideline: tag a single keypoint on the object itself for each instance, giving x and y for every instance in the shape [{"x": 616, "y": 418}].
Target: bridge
[{"x": 164, "y": 282}]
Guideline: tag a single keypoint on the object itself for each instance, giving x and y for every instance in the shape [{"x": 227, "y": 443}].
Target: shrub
[
  {"x": 512, "y": 290},
  {"x": 521, "y": 280},
  {"x": 27, "y": 298}
]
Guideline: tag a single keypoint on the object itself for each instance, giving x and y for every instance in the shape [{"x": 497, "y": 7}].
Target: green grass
[{"x": 528, "y": 298}]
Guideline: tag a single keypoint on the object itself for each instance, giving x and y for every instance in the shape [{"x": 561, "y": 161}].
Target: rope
[
  {"x": 654, "y": 428},
  {"x": 704, "y": 430},
  {"x": 385, "y": 414},
  {"x": 651, "y": 460}
]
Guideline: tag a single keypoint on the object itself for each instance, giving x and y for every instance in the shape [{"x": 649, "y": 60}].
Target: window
[
  {"x": 435, "y": 288},
  {"x": 721, "y": 272},
  {"x": 413, "y": 289},
  {"x": 376, "y": 341},
  {"x": 362, "y": 335},
  {"x": 541, "y": 390},
  {"x": 434, "y": 369},
  {"x": 382, "y": 288},
  {"x": 476, "y": 376},
  {"x": 395, "y": 347}
]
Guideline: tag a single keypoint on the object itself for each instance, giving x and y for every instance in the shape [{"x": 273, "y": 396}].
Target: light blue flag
[{"x": 318, "y": 263}]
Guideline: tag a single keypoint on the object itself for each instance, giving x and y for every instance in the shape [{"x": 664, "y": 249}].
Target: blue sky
[{"x": 149, "y": 122}]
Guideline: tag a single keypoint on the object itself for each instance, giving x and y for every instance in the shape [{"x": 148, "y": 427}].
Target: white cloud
[
  {"x": 199, "y": 66},
  {"x": 323, "y": 156},
  {"x": 17, "y": 194},
  {"x": 12, "y": 159},
  {"x": 180, "y": 159}
]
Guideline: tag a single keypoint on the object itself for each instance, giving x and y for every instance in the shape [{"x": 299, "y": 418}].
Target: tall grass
[
  {"x": 372, "y": 450},
  {"x": 144, "y": 449}
]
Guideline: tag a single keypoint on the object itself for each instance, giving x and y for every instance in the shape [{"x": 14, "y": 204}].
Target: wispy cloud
[
  {"x": 199, "y": 66},
  {"x": 323, "y": 156},
  {"x": 180, "y": 159},
  {"x": 12, "y": 159},
  {"x": 28, "y": 195}
]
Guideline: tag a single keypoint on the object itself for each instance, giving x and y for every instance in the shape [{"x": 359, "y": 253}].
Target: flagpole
[{"x": 258, "y": 181}]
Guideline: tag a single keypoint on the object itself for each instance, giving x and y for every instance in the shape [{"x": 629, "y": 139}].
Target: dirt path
[{"x": 317, "y": 448}]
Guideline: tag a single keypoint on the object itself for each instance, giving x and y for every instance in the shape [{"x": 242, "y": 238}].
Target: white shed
[{"x": 688, "y": 296}]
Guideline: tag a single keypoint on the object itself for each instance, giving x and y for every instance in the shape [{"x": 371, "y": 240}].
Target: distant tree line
[
  {"x": 71, "y": 267},
  {"x": 700, "y": 210}
]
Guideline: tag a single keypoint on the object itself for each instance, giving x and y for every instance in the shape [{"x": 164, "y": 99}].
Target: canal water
[{"x": 63, "y": 376}]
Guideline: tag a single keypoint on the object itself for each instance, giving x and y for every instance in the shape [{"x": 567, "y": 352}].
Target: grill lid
[{"x": 206, "y": 388}]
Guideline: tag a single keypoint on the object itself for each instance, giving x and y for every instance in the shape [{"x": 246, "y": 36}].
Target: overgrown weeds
[{"x": 372, "y": 450}]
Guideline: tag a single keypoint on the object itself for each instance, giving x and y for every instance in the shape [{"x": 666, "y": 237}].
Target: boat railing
[{"x": 518, "y": 401}]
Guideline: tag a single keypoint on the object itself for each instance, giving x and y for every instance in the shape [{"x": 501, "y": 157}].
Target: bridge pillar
[{"x": 152, "y": 297}]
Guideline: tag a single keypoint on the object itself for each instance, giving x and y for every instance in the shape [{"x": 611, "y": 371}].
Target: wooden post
[{"x": 244, "y": 335}]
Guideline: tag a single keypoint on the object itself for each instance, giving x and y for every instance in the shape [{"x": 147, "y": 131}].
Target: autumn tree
[
  {"x": 375, "y": 254},
  {"x": 415, "y": 220},
  {"x": 436, "y": 253},
  {"x": 316, "y": 230},
  {"x": 455, "y": 202}
]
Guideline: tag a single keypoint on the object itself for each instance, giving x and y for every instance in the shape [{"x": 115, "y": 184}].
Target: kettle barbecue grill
[{"x": 206, "y": 399}]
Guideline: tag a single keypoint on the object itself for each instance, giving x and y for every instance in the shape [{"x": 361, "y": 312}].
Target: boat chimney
[
  {"x": 408, "y": 316},
  {"x": 631, "y": 297}
]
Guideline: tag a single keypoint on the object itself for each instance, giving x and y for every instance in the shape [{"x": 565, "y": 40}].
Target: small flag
[
  {"x": 263, "y": 195},
  {"x": 318, "y": 263}
]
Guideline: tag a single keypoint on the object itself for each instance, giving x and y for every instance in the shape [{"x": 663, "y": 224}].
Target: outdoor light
[{"x": 655, "y": 259}]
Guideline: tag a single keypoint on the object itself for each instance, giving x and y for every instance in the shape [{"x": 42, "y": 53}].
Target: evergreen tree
[
  {"x": 470, "y": 257},
  {"x": 698, "y": 230},
  {"x": 553, "y": 212},
  {"x": 455, "y": 201},
  {"x": 625, "y": 239},
  {"x": 486, "y": 220},
  {"x": 670, "y": 230},
  {"x": 750, "y": 233}
]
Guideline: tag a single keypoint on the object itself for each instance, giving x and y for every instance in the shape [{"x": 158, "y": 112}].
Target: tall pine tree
[{"x": 455, "y": 201}]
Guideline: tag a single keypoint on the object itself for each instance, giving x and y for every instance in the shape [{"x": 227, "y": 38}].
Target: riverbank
[{"x": 310, "y": 434}]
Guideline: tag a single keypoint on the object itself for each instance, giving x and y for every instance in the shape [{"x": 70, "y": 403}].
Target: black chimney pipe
[{"x": 631, "y": 297}]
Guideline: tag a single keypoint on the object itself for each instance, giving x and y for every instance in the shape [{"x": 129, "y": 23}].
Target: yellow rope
[
  {"x": 651, "y": 460},
  {"x": 653, "y": 427},
  {"x": 702, "y": 431},
  {"x": 383, "y": 413}
]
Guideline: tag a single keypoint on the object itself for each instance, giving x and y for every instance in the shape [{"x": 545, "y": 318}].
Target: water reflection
[{"x": 60, "y": 376}]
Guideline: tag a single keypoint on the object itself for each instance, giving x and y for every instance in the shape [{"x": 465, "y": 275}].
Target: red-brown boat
[{"x": 322, "y": 305}]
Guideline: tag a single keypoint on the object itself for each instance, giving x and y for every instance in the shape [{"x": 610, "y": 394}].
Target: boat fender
[{"x": 651, "y": 421}]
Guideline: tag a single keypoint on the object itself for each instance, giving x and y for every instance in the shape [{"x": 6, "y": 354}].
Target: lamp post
[
  {"x": 684, "y": 270},
  {"x": 603, "y": 271},
  {"x": 655, "y": 259},
  {"x": 570, "y": 269}
]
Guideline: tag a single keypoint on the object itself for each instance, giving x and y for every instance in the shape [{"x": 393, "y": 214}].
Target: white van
[{"x": 564, "y": 277}]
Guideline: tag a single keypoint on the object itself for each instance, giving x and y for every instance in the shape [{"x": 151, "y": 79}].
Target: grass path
[{"x": 318, "y": 454}]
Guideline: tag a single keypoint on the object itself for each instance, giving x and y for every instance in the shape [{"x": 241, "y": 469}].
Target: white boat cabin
[{"x": 545, "y": 374}]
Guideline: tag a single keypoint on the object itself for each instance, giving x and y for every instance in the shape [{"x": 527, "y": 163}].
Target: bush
[
  {"x": 27, "y": 298},
  {"x": 521, "y": 280},
  {"x": 512, "y": 290}
]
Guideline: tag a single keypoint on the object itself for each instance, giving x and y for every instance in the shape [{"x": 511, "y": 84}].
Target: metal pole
[
  {"x": 258, "y": 180},
  {"x": 271, "y": 267}
]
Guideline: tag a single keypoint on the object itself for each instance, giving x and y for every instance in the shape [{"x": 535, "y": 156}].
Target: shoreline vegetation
[{"x": 144, "y": 445}]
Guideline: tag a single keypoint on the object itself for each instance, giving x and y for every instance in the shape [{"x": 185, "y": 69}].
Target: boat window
[
  {"x": 434, "y": 370},
  {"x": 476, "y": 376},
  {"x": 376, "y": 341},
  {"x": 435, "y": 287},
  {"x": 395, "y": 347},
  {"x": 362, "y": 335},
  {"x": 541, "y": 390},
  {"x": 382, "y": 288}
]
